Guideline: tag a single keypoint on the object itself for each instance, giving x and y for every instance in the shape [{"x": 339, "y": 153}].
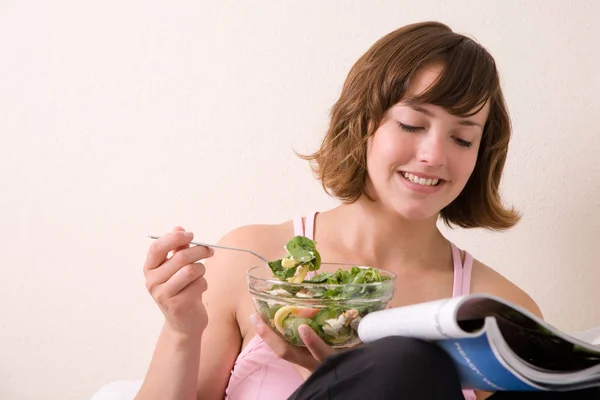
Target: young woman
[{"x": 419, "y": 133}]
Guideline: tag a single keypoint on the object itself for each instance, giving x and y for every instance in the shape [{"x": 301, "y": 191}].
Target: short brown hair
[{"x": 380, "y": 79}]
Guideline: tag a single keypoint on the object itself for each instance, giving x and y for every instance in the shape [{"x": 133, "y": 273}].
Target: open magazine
[{"x": 495, "y": 344}]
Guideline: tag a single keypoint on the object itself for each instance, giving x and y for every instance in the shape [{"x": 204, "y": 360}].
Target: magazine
[{"x": 495, "y": 344}]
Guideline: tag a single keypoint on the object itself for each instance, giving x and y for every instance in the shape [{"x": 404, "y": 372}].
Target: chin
[{"x": 414, "y": 214}]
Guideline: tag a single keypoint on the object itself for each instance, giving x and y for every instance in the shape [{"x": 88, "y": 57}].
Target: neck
[{"x": 377, "y": 237}]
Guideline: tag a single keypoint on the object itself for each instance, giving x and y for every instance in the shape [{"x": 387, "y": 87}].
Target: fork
[{"x": 222, "y": 247}]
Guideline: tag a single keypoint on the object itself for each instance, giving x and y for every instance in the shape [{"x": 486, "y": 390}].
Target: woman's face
[{"x": 421, "y": 157}]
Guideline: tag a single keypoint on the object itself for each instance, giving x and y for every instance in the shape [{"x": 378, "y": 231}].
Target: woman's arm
[
  {"x": 222, "y": 339},
  {"x": 486, "y": 280},
  {"x": 186, "y": 368},
  {"x": 174, "y": 367},
  {"x": 197, "y": 336}
]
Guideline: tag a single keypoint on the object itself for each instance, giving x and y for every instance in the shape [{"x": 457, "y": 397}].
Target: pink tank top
[{"x": 259, "y": 374}]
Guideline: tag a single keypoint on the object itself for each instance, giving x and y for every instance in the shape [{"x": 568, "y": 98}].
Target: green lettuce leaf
[
  {"x": 304, "y": 250},
  {"x": 279, "y": 271}
]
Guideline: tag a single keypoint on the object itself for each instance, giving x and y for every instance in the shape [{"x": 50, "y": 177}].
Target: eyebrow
[{"x": 466, "y": 122}]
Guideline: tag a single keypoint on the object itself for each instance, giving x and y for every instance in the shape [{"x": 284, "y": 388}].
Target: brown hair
[{"x": 380, "y": 78}]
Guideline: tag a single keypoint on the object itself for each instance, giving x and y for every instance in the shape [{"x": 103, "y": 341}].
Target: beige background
[{"x": 120, "y": 119}]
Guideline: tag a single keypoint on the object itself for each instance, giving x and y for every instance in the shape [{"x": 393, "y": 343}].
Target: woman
[{"x": 420, "y": 132}]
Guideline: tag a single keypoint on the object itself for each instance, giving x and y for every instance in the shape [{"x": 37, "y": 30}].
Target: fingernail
[
  {"x": 254, "y": 320},
  {"x": 188, "y": 234},
  {"x": 211, "y": 251}
]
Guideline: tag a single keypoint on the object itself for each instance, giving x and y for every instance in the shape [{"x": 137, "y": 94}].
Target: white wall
[{"x": 120, "y": 119}]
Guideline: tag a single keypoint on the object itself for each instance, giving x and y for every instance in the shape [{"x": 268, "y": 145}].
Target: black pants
[{"x": 401, "y": 368}]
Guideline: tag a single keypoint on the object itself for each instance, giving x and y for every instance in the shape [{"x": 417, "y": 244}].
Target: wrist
[{"x": 183, "y": 339}]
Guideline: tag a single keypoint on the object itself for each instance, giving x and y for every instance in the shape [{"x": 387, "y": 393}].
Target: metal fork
[{"x": 222, "y": 247}]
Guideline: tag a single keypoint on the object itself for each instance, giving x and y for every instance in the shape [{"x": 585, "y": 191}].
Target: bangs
[{"x": 468, "y": 79}]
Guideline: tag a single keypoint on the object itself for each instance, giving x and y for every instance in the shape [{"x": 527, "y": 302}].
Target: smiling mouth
[{"x": 420, "y": 181}]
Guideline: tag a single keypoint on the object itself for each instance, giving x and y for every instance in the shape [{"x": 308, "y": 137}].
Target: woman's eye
[
  {"x": 409, "y": 128},
  {"x": 463, "y": 143}
]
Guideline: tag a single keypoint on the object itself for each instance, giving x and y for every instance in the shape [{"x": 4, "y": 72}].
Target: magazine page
[
  {"x": 480, "y": 368},
  {"x": 554, "y": 379},
  {"x": 429, "y": 321},
  {"x": 590, "y": 335},
  {"x": 568, "y": 368},
  {"x": 535, "y": 342}
]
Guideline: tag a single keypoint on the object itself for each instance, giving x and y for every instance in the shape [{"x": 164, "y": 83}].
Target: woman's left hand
[{"x": 310, "y": 357}]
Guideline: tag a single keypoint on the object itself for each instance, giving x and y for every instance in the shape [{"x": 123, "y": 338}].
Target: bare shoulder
[
  {"x": 260, "y": 238},
  {"x": 487, "y": 280},
  {"x": 226, "y": 270}
]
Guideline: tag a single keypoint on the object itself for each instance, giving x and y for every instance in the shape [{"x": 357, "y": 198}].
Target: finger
[
  {"x": 191, "y": 255},
  {"x": 180, "y": 280},
  {"x": 160, "y": 248},
  {"x": 261, "y": 328},
  {"x": 199, "y": 285},
  {"x": 317, "y": 347},
  {"x": 185, "y": 246},
  {"x": 281, "y": 347}
]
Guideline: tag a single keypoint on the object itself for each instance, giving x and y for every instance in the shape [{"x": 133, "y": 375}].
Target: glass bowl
[{"x": 333, "y": 311}]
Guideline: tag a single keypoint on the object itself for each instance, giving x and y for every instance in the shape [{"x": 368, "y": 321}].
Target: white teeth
[{"x": 420, "y": 181}]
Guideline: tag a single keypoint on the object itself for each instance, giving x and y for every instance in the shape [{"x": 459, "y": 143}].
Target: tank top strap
[
  {"x": 467, "y": 272},
  {"x": 469, "y": 395},
  {"x": 309, "y": 232},
  {"x": 462, "y": 287},
  {"x": 462, "y": 272},
  {"x": 305, "y": 227}
]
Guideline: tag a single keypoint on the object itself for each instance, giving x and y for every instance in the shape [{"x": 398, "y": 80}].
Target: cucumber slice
[
  {"x": 291, "y": 324},
  {"x": 325, "y": 314}
]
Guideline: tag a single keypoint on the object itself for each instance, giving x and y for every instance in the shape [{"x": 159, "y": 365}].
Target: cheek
[
  {"x": 464, "y": 167},
  {"x": 375, "y": 158},
  {"x": 386, "y": 147}
]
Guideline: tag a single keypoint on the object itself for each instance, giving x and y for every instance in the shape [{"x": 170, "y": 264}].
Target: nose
[{"x": 432, "y": 150}]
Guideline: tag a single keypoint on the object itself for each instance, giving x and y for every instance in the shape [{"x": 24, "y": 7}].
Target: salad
[{"x": 331, "y": 303}]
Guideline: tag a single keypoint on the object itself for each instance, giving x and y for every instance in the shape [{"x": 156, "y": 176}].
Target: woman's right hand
[{"x": 174, "y": 278}]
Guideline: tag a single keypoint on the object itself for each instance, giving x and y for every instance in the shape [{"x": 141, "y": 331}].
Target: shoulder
[
  {"x": 486, "y": 280},
  {"x": 226, "y": 270},
  {"x": 265, "y": 239}
]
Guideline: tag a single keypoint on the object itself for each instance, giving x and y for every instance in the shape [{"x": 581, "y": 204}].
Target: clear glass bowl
[{"x": 333, "y": 311}]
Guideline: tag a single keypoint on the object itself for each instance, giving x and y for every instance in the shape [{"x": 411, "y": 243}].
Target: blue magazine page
[{"x": 479, "y": 368}]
